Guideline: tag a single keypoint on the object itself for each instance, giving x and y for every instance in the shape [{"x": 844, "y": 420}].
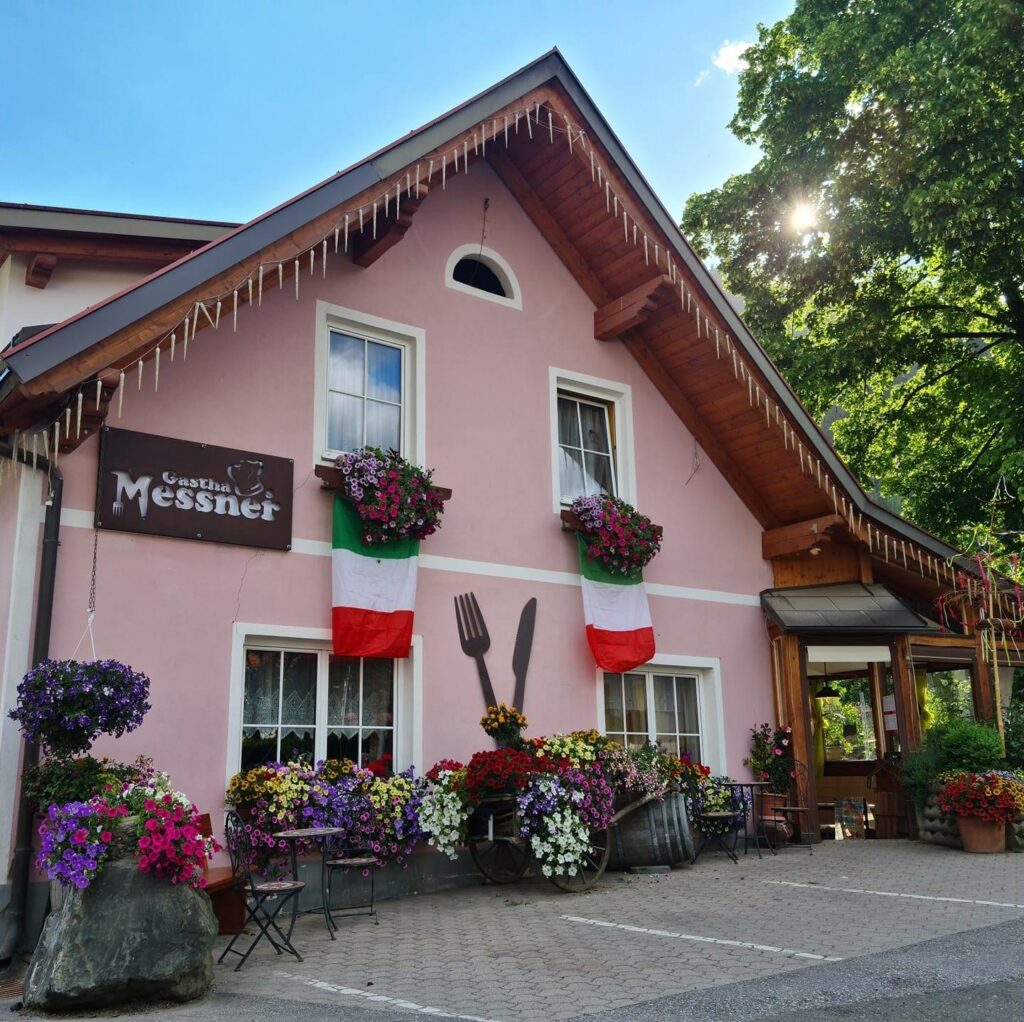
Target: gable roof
[{"x": 785, "y": 469}]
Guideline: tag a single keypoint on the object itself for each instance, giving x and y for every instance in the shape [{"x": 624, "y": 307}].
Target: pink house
[{"x": 499, "y": 296}]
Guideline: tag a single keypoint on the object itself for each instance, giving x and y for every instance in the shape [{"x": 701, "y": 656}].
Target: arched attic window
[{"x": 481, "y": 272}]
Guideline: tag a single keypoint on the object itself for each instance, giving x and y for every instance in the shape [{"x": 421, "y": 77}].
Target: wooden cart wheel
[
  {"x": 502, "y": 861},
  {"x": 594, "y": 863}
]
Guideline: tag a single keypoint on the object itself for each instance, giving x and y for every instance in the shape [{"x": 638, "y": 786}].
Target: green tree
[{"x": 879, "y": 241}]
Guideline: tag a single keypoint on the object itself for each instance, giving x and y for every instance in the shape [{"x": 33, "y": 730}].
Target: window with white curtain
[
  {"x": 365, "y": 393},
  {"x": 586, "y": 447},
  {"x": 307, "y": 704},
  {"x": 654, "y": 706}
]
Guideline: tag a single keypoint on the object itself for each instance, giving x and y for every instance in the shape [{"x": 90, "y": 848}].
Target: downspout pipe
[{"x": 22, "y": 863}]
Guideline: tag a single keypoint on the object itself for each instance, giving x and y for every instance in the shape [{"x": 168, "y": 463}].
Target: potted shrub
[
  {"x": 982, "y": 805},
  {"x": 962, "y": 746}
]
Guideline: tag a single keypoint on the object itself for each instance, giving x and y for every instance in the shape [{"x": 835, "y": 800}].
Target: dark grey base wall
[{"x": 428, "y": 872}]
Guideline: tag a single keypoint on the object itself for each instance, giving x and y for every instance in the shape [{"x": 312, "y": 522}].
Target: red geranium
[
  {"x": 498, "y": 770},
  {"x": 450, "y": 765}
]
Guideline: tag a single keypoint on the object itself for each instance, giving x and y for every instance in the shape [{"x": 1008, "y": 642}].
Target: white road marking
[
  {"x": 704, "y": 940},
  {"x": 394, "y": 1002},
  {"x": 894, "y": 894}
]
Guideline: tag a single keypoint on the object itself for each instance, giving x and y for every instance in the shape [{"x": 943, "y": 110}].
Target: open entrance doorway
[
  {"x": 850, "y": 689},
  {"x": 856, "y": 733}
]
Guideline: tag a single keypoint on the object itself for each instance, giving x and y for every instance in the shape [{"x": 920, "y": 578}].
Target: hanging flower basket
[
  {"x": 63, "y": 705},
  {"x": 393, "y": 498},
  {"x": 616, "y": 534}
]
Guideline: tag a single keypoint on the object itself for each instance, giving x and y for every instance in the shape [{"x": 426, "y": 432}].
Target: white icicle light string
[{"x": 449, "y": 158}]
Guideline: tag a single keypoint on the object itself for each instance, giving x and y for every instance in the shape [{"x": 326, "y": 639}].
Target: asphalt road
[{"x": 976, "y": 976}]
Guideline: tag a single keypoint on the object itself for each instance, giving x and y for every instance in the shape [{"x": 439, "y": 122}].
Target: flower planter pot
[{"x": 983, "y": 837}]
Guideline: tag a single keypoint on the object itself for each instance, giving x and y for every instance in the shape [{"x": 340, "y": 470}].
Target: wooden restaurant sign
[{"x": 166, "y": 487}]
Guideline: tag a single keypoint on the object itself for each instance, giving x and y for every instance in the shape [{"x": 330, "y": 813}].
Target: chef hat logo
[{"x": 247, "y": 475}]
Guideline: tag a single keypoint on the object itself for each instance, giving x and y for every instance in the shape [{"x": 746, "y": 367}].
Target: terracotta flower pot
[{"x": 985, "y": 837}]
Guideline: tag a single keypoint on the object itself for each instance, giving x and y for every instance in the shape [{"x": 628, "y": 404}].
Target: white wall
[
  {"x": 21, "y": 515},
  {"x": 73, "y": 287}
]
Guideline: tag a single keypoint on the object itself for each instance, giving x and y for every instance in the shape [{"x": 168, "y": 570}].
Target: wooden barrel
[{"x": 656, "y": 834}]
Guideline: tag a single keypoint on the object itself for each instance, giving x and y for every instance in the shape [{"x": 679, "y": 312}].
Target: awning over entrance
[{"x": 849, "y": 608}]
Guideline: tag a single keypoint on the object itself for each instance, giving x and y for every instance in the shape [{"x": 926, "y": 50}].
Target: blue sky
[{"x": 221, "y": 110}]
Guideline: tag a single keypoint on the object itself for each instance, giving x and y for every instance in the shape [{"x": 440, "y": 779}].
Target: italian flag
[
  {"x": 617, "y": 616},
  {"x": 374, "y": 590}
]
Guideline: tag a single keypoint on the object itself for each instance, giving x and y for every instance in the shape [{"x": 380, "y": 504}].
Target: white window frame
[
  {"x": 619, "y": 396},
  {"x": 500, "y": 267},
  {"x": 412, "y": 342},
  {"x": 708, "y": 671},
  {"x": 408, "y": 723}
]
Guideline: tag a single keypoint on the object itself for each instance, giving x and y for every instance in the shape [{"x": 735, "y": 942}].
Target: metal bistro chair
[
  {"x": 255, "y": 895},
  {"x": 339, "y": 854}
]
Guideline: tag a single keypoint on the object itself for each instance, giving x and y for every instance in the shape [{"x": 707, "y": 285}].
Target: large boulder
[{"x": 128, "y": 936}]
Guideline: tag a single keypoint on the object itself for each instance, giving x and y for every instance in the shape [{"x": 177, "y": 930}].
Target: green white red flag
[
  {"x": 373, "y": 590},
  {"x": 617, "y": 615}
]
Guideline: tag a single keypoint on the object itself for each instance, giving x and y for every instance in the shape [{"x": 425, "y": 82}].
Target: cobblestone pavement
[{"x": 530, "y": 952}]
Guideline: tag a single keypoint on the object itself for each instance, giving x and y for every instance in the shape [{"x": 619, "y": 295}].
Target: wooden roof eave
[{"x": 120, "y": 328}]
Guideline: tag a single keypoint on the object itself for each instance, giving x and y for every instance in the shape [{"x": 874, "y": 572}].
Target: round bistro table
[{"x": 293, "y": 837}]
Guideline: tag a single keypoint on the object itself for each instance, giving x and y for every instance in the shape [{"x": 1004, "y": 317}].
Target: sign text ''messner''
[{"x": 166, "y": 487}]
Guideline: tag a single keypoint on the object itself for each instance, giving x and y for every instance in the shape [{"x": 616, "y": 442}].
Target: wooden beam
[
  {"x": 549, "y": 228},
  {"x": 99, "y": 248},
  {"x": 796, "y": 702},
  {"x": 40, "y": 268},
  {"x": 367, "y": 249},
  {"x": 801, "y": 536},
  {"x": 630, "y": 310},
  {"x": 681, "y": 405}
]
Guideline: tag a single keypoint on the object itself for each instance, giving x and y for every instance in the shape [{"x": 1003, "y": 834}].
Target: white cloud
[
  {"x": 729, "y": 57},
  {"x": 699, "y": 80}
]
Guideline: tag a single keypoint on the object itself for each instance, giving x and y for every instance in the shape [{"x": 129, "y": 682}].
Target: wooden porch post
[
  {"x": 908, "y": 717},
  {"x": 796, "y": 700}
]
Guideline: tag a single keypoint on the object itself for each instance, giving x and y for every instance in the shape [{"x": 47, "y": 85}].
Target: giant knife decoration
[{"x": 521, "y": 653}]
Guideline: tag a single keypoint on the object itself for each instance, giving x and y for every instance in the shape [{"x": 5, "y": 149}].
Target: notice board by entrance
[{"x": 166, "y": 487}]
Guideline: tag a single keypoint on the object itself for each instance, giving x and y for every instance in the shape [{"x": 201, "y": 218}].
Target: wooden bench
[{"x": 220, "y": 886}]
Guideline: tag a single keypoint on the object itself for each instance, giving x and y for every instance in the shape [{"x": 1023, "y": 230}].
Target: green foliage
[
  {"x": 837, "y": 715},
  {"x": 948, "y": 697},
  {"x": 1013, "y": 726},
  {"x": 918, "y": 773},
  {"x": 967, "y": 745},
  {"x": 900, "y": 124},
  {"x": 960, "y": 745},
  {"x": 58, "y": 781}
]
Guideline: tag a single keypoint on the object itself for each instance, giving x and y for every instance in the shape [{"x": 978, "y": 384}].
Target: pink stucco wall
[{"x": 168, "y": 606}]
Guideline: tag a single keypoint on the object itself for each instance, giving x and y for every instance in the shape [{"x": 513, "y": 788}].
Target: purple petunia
[{"x": 64, "y": 705}]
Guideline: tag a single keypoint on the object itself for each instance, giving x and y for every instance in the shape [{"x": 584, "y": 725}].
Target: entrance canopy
[{"x": 849, "y": 608}]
